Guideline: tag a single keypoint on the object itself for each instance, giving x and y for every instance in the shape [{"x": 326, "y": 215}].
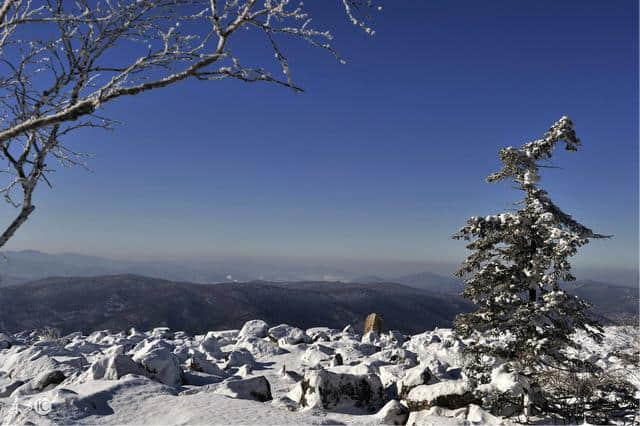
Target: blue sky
[{"x": 382, "y": 158}]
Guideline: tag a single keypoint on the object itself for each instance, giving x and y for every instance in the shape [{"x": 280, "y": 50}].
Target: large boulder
[
  {"x": 353, "y": 352},
  {"x": 317, "y": 354},
  {"x": 373, "y": 323},
  {"x": 260, "y": 348},
  {"x": 238, "y": 358},
  {"x": 113, "y": 367},
  {"x": 448, "y": 394},
  {"x": 225, "y": 337},
  {"x": 288, "y": 335},
  {"x": 254, "y": 328},
  {"x": 391, "y": 374},
  {"x": 210, "y": 346},
  {"x": 440, "y": 344},
  {"x": 26, "y": 362},
  {"x": 160, "y": 363},
  {"x": 43, "y": 381},
  {"x": 320, "y": 333},
  {"x": 48, "y": 378},
  {"x": 396, "y": 356},
  {"x": 331, "y": 391},
  {"x": 199, "y": 362},
  {"x": 393, "y": 413},
  {"x": 255, "y": 388},
  {"x": 413, "y": 377}
]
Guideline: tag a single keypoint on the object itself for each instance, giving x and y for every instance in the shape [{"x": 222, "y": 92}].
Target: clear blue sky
[{"x": 382, "y": 158}]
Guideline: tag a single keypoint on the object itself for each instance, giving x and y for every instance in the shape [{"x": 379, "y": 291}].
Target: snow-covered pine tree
[{"x": 519, "y": 259}]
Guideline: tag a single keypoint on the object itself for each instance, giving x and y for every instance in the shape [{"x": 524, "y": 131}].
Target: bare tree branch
[{"x": 61, "y": 61}]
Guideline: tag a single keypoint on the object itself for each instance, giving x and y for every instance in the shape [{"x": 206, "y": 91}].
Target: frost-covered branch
[{"x": 61, "y": 61}]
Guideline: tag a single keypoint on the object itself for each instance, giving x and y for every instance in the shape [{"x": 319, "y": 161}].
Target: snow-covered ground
[{"x": 256, "y": 375}]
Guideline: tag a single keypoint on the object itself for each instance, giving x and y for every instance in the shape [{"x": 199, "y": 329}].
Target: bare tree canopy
[{"x": 61, "y": 60}]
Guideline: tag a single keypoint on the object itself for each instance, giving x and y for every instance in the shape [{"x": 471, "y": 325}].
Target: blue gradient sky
[{"x": 382, "y": 158}]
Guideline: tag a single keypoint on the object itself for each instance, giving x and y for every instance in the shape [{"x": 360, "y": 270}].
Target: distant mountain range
[
  {"x": 122, "y": 301},
  {"x": 29, "y": 265},
  {"x": 86, "y": 295},
  {"x": 424, "y": 281},
  {"x": 616, "y": 303}
]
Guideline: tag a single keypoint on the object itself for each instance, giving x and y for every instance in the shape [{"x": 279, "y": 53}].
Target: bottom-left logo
[{"x": 41, "y": 406}]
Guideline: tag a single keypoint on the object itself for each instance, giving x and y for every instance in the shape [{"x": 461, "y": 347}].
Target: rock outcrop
[
  {"x": 450, "y": 394},
  {"x": 338, "y": 391},
  {"x": 255, "y": 388},
  {"x": 373, "y": 323},
  {"x": 114, "y": 367}
]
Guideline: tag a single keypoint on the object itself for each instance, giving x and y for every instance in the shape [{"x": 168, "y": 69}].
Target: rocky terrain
[{"x": 259, "y": 374}]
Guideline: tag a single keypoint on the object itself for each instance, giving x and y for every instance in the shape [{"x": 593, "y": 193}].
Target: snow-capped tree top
[{"x": 521, "y": 164}]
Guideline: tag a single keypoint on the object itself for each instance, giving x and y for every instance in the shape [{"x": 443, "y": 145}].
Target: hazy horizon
[{"x": 335, "y": 269}]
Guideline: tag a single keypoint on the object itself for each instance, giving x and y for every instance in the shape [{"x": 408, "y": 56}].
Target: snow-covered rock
[
  {"x": 43, "y": 381},
  {"x": 322, "y": 389},
  {"x": 288, "y": 334},
  {"x": 26, "y": 362},
  {"x": 316, "y": 354},
  {"x": 82, "y": 346},
  {"x": 113, "y": 367},
  {"x": 238, "y": 358},
  {"x": 472, "y": 415},
  {"x": 260, "y": 348},
  {"x": 255, "y": 388},
  {"x": 396, "y": 356},
  {"x": 393, "y": 413},
  {"x": 449, "y": 394},
  {"x": 48, "y": 378},
  {"x": 285, "y": 403},
  {"x": 391, "y": 374},
  {"x": 254, "y": 328},
  {"x": 117, "y": 378},
  {"x": 225, "y": 337},
  {"x": 199, "y": 362},
  {"x": 371, "y": 338},
  {"x": 352, "y": 352},
  {"x": 416, "y": 376},
  {"x": 210, "y": 346},
  {"x": 440, "y": 345},
  {"x": 321, "y": 334},
  {"x": 159, "y": 361},
  {"x": 505, "y": 380}
]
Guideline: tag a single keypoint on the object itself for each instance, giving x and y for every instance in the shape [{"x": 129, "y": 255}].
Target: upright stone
[{"x": 373, "y": 323}]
